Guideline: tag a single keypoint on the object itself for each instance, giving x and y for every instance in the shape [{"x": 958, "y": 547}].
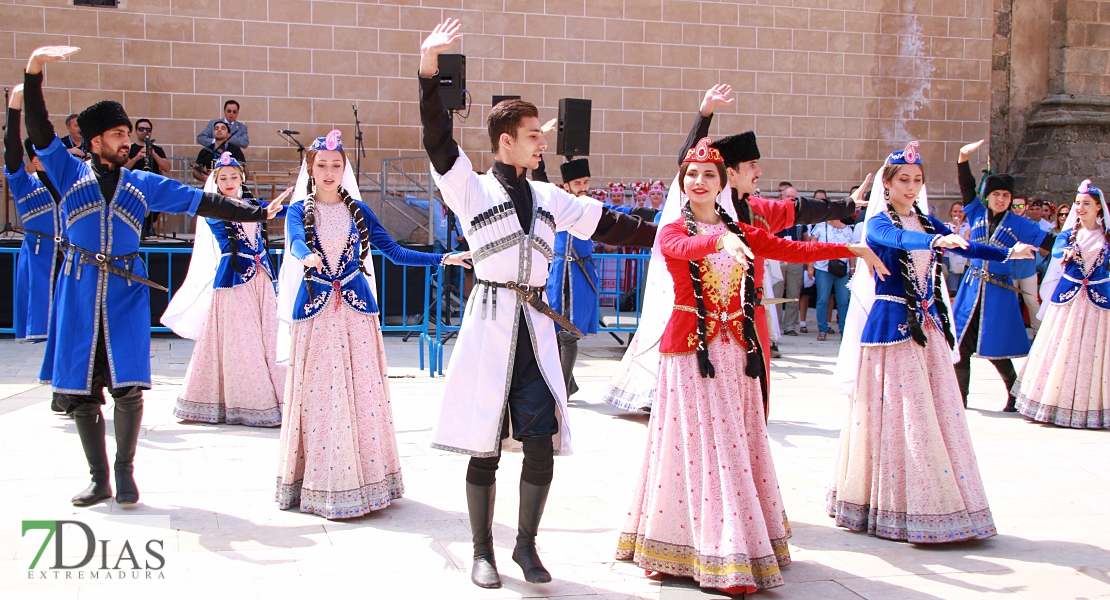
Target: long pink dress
[
  {"x": 708, "y": 504},
  {"x": 233, "y": 375},
  {"x": 339, "y": 455},
  {"x": 906, "y": 469},
  {"x": 1066, "y": 379}
]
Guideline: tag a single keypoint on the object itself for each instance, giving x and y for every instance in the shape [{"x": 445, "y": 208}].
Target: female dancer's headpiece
[{"x": 1055, "y": 267}]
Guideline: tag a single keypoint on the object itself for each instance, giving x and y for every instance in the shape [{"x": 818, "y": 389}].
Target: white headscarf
[
  {"x": 1056, "y": 267},
  {"x": 291, "y": 274},
  {"x": 862, "y": 287},
  {"x": 188, "y": 308},
  {"x": 637, "y": 375}
]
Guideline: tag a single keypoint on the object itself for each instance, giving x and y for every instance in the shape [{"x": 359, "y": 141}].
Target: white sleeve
[
  {"x": 577, "y": 215},
  {"x": 460, "y": 186}
]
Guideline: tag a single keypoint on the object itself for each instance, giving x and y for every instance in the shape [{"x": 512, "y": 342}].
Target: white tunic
[{"x": 478, "y": 376}]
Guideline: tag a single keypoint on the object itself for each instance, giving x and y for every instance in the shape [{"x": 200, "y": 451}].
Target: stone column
[{"x": 1066, "y": 137}]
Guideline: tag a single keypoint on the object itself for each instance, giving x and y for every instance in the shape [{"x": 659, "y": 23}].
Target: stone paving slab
[{"x": 1049, "y": 490}]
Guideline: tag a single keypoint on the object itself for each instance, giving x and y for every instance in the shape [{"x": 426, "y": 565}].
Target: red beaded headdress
[{"x": 704, "y": 153}]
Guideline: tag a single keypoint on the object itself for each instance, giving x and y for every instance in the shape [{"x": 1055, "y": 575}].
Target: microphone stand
[
  {"x": 361, "y": 150},
  {"x": 292, "y": 140}
]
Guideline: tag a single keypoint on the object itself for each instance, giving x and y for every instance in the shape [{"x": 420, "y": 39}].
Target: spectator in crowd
[
  {"x": 237, "y": 128},
  {"x": 831, "y": 275},
  {"x": 792, "y": 274},
  {"x": 73, "y": 142},
  {"x": 955, "y": 263},
  {"x": 1018, "y": 206},
  {"x": 1036, "y": 213},
  {"x": 210, "y": 153},
  {"x": 137, "y": 158},
  {"x": 137, "y": 161},
  {"x": 1061, "y": 215},
  {"x": 657, "y": 194},
  {"x": 439, "y": 220},
  {"x": 1024, "y": 271}
]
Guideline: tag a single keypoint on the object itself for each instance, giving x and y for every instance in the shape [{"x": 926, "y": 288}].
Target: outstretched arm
[
  {"x": 381, "y": 240},
  {"x": 438, "y": 140}
]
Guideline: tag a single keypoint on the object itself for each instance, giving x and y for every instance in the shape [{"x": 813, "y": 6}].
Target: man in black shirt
[
  {"x": 136, "y": 157},
  {"x": 209, "y": 154},
  {"x": 73, "y": 142}
]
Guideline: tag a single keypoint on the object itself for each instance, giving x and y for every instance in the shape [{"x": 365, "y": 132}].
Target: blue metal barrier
[
  {"x": 452, "y": 295},
  {"x": 386, "y": 283}
]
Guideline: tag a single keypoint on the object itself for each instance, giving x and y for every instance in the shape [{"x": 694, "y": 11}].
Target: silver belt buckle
[{"x": 100, "y": 257}]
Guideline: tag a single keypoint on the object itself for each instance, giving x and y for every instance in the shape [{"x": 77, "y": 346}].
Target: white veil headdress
[
  {"x": 633, "y": 385},
  {"x": 291, "y": 274},
  {"x": 862, "y": 286},
  {"x": 188, "y": 308},
  {"x": 1056, "y": 267}
]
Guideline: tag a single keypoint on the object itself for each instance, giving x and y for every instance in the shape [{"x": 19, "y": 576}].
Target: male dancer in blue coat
[{"x": 100, "y": 331}]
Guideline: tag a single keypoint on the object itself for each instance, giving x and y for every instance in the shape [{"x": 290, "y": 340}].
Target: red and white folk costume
[{"x": 707, "y": 504}]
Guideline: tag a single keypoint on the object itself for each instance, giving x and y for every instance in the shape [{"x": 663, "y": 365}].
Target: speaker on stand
[
  {"x": 574, "y": 127},
  {"x": 452, "y": 81}
]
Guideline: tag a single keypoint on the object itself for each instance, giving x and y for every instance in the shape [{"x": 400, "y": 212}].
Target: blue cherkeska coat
[
  {"x": 1001, "y": 328},
  {"x": 89, "y": 301}
]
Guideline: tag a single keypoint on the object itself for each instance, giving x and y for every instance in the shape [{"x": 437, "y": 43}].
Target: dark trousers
[
  {"x": 968, "y": 345},
  {"x": 130, "y": 398},
  {"x": 532, "y": 409}
]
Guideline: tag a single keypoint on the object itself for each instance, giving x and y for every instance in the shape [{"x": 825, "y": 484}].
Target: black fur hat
[
  {"x": 998, "y": 181},
  {"x": 101, "y": 117},
  {"x": 738, "y": 148},
  {"x": 575, "y": 169}
]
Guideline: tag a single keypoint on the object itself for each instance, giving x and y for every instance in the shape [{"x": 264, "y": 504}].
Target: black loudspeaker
[
  {"x": 574, "y": 127},
  {"x": 452, "y": 81},
  {"x": 499, "y": 99}
]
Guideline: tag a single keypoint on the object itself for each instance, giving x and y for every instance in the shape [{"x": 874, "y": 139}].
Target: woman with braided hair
[
  {"x": 227, "y": 304},
  {"x": 906, "y": 469},
  {"x": 707, "y": 505},
  {"x": 1065, "y": 379},
  {"x": 338, "y": 453}
]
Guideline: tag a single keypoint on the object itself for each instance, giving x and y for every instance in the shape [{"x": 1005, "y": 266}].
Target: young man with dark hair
[
  {"x": 137, "y": 158},
  {"x": 505, "y": 374},
  {"x": 99, "y": 333},
  {"x": 988, "y": 298},
  {"x": 208, "y": 155},
  {"x": 237, "y": 130}
]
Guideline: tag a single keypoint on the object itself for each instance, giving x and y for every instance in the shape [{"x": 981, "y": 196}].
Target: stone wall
[
  {"x": 1066, "y": 137},
  {"x": 830, "y": 86}
]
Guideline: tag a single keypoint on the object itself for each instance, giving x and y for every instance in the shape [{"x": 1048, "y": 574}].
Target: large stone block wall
[{"x": 830, "y": 86}]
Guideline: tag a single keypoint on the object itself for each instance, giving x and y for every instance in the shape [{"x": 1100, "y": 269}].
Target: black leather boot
[
  {"x": 532, "y": 500},
  {"x": 568, "y": 354},
  {"x": 128, "y": 418},
  {"x": 54, "y": 406},
  {"x": 1006, "y": 370},
  {"x": 479, "y": 503},
  {"x": 90, "y": 428},
  {"x": 963, "y": 377}
]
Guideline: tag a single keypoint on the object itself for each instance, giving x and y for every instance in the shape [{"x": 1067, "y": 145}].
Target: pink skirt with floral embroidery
[
  {"x": 708, "y": 504},
  {"x": 233, "y": 376},
  {"x": 339, "y": 455},
  {"x": 1066, "y": 379},
  {"x": 906, "y": 469}
]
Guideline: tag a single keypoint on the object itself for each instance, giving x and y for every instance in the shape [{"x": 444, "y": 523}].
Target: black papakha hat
[
  {"x": 101, "y": 117},
  {"x": 998, "y": 181},
  {"x": 738, "y": 148},
  {"x": 575, "y": 169}
]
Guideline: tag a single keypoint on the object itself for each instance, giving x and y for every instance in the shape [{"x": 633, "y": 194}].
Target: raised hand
[
  {"x": 438, "y": 41},
  {"x": 875, "y": 265},
  {"x": 862, "y": 191},
  {"x": 49, "y": 54},
  {"x": 717, "y": 95},
  {"x": 968, "y": 149},
  {"x": 15, "y": 100}
]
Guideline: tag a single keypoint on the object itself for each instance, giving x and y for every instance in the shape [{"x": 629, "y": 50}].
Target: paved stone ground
[{"x": 1049, "y": 490}]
